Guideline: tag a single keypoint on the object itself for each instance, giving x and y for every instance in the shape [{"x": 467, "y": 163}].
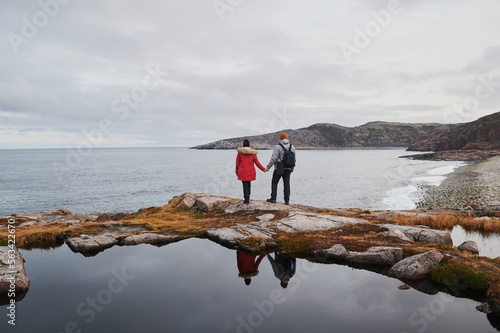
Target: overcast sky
[{"x": 117, "y": 73}]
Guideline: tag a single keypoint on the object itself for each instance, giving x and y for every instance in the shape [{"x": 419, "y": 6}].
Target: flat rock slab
[
  {"x": 422, "y": 234},
  {"x": 418, "y": 266},
  {"x": 12, "y": 271},
  {"x": 259, "y": 205},
  {"x": 226, "y": 236},
  {"x": 299, "y": 221}
]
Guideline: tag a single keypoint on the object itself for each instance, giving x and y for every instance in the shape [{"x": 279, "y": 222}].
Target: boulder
[
  {"x": 398, "y": 234},
  {"x": 418, "y": 266},
  {"x": 91, "y": 244},
  {"x": 336, "y": 252},
  {"x": 62, "y": 212},
  {"x": 150, "y": 238},
  {"x": 469, "y": 246},
  {"x": 103, "y": 217},
  {"x": 187, "y": 201},
  {"x": 420, "y": 234},
  {"x": 12, "y": 271},
  {"x": 376, "y": 255},
  {"x": 208, "y": 202}
]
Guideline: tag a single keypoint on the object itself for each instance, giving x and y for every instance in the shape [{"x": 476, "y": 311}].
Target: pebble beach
[{"x": 475, "y": 183}]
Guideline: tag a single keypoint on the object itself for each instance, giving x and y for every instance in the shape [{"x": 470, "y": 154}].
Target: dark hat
[{"x": 246, "y": 143}]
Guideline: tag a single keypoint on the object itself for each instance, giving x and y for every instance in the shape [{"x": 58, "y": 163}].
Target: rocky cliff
[
  {"x": 333, "y": 136},
  {"x": 481, "y": 134}
]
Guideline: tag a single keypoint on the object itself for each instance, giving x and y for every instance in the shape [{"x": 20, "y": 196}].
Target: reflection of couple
[
  {"x": 283, "y": 267},
  {"x": 245, "y": 169}
]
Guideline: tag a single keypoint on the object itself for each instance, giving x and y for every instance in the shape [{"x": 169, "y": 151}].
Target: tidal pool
[
  {"x": 488, "y": 243},
  {"x": 198, "y": 286}
]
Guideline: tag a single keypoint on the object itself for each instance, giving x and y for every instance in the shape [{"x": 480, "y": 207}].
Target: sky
[{"x": 167, "y": 73}]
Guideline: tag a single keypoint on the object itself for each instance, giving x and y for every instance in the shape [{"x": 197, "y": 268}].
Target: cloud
[{"x": 235, "y": 76}]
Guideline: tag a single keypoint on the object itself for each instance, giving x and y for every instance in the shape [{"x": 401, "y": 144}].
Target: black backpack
[{"x": 289, "y": 158}]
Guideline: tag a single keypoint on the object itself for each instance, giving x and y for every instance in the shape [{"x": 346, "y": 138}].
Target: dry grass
[
  {"x": 185, "y": 221},
  {"x": 47, "y": 235},
  {"x": 448, "y": 221}
]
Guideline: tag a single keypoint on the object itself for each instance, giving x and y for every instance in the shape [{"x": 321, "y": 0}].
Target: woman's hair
[{"x": 246, "y": 143}]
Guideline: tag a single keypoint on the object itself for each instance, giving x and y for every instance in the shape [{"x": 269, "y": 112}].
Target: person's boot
[{"x": 271, "y": 200}]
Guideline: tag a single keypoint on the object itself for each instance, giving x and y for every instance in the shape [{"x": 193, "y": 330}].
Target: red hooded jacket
[{"x": 245, "y": 164}]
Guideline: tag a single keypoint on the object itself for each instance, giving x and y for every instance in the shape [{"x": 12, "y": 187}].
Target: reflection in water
[
  {"x": 191, "y": 286},
  {"x": 247, "y": 266},
  {"x": 488, "y": 243},
  {"x": 283, "y": 267}
]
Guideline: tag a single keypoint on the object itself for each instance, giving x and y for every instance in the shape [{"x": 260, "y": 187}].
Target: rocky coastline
[
  {"x": 456, "y": 155},
  {"x": 476, "y": 184},
  {"x": 364, "y": 239}
]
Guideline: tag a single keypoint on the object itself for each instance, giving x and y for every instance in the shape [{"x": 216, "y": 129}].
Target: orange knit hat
[{"x": 283, "y": 136}]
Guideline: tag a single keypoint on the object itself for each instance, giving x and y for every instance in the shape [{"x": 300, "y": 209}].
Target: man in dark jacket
[
  {"x": 278, "y": 156},
  {"x": 283, "y": 267}
]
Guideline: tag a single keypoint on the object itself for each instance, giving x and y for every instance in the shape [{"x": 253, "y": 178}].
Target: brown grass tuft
[{"x": 448, "y": 221}]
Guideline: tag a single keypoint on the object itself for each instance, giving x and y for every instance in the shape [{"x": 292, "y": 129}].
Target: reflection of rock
[
  {"x": 422, "y": 234},
  {"x": 91, "y": 243},
  {"x": 469, "y": 246},
  {"x": 418, "y": 266},
  {"x": 423, "y": 285},
  {"x": 5, "y": 300},
  {"x": 12, "y": 271},
  {"x": 376, "y": 255},
  {"x": 150, "y": 238},
  {"x": 485, "y": 308}
]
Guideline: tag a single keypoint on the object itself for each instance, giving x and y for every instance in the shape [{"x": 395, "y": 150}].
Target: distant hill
[
  {"x": 331, "y": 136},
  {"x": 481, "y": 134}
]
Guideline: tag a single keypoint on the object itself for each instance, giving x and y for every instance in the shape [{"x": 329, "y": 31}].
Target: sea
[
  {"x": 127, "y": 179},
  {"x": 195, "y": 285}
]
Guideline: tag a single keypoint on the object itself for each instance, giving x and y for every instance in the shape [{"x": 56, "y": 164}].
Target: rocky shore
[
  {"x": 473, "y": 185},
  {"x": 352, "y": 237},
  {"x": 456, "y": 155}
]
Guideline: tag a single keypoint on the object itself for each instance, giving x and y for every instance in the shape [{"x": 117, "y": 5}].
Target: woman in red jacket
[{"x": 245, "y": 169}]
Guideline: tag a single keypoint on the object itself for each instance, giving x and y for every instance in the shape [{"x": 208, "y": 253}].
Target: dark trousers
[
  {"x": 286, "y": 185},
  {"x": 247, "y": 187}
]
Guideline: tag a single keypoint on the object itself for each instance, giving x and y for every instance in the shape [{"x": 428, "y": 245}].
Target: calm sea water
[
  {"x": 129, "y": 179},
  {"x": 193, "y": 286}
]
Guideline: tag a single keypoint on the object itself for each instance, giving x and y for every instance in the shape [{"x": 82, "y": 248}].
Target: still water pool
[{"x": 197, "y": 286}]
